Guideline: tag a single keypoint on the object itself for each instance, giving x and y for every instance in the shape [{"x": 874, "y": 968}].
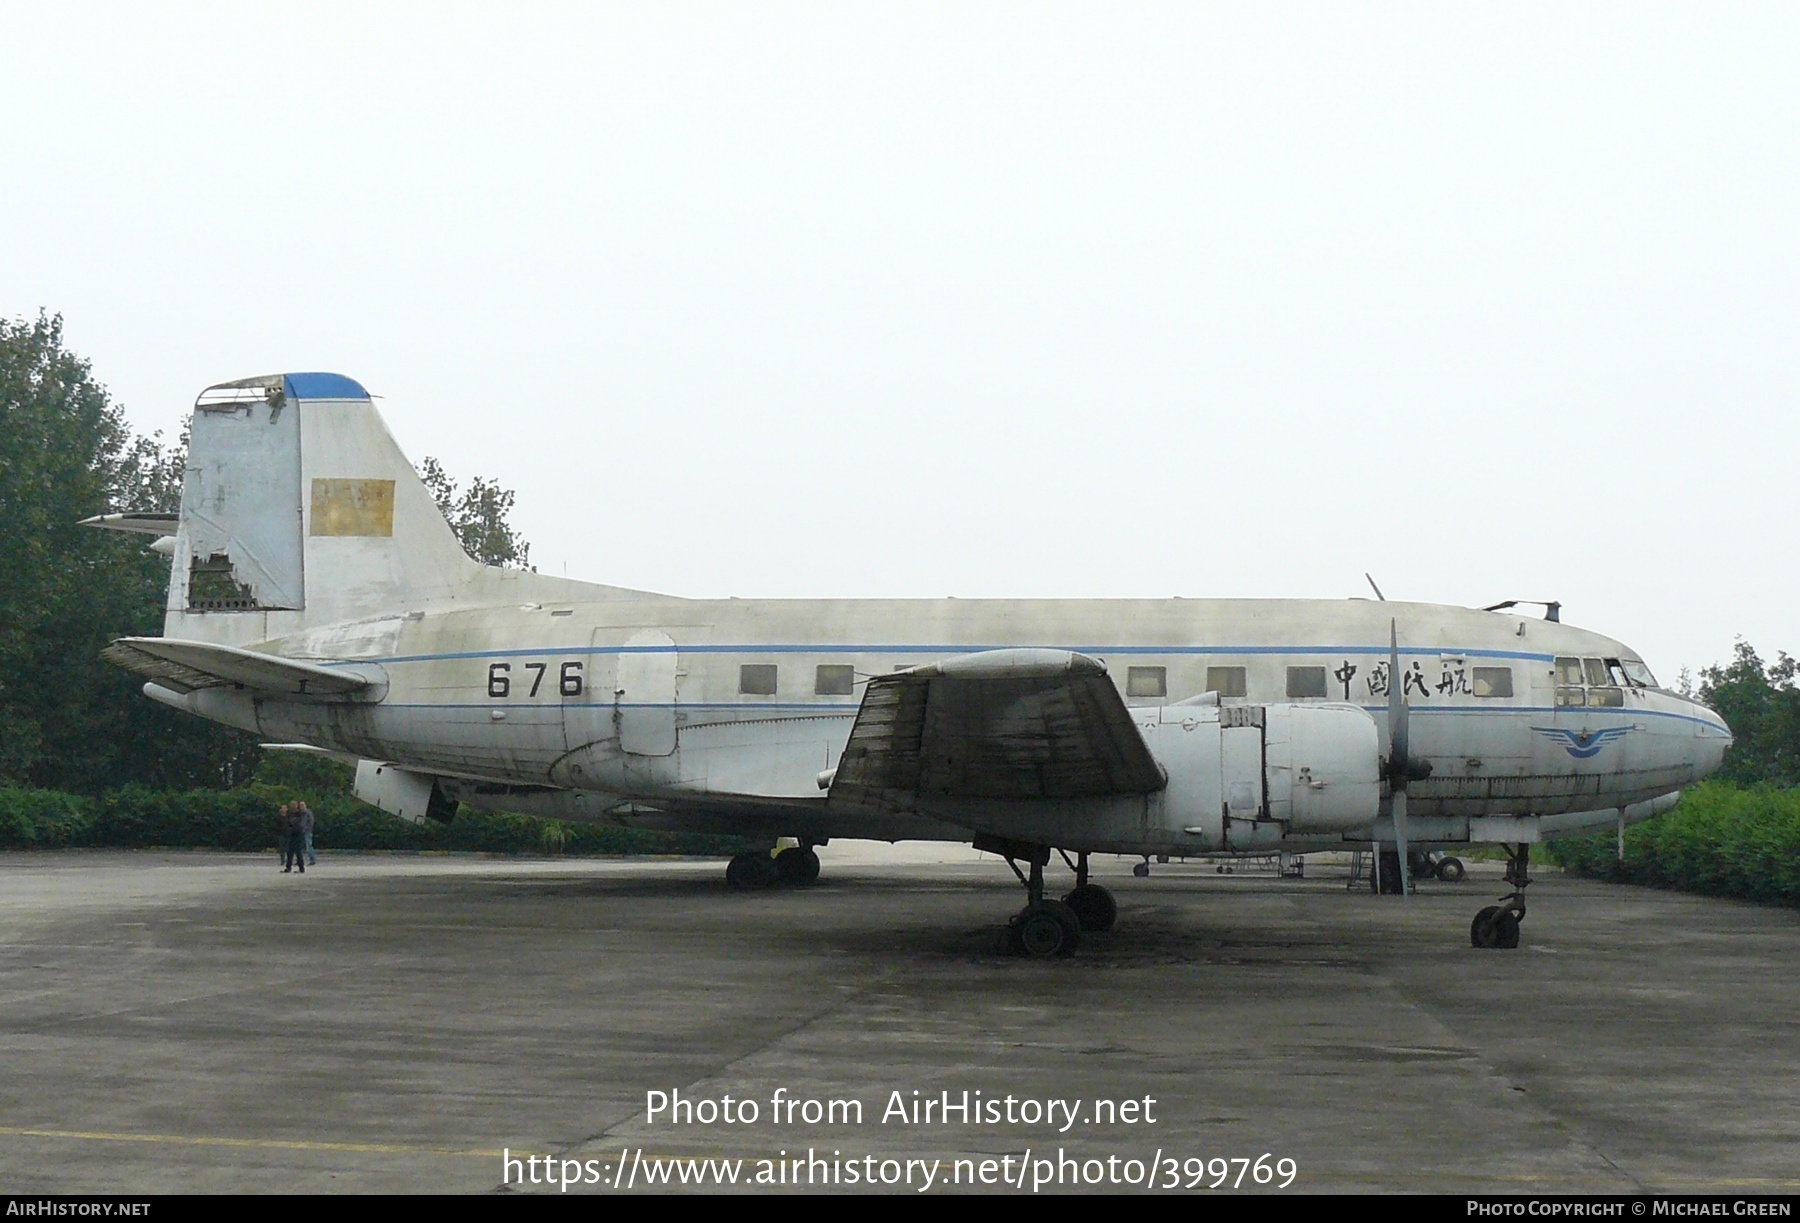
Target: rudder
[{"x": 298, "y": 509}]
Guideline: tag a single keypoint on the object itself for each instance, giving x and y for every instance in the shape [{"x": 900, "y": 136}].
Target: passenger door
[{"x": 646, "y": 693}]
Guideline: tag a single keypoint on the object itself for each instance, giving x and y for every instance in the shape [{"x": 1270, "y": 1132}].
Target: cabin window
[
  {"x": 1306, "y": 681},
  {"x": 834, "y": 679},
  {"x": 1226, "y": 681},
  {"x": 1568, "y": 671},
  {"x": 757, "y": 679},
  {"x": 1146, "y": 681},
  {"x": 1493, "y": 681}
]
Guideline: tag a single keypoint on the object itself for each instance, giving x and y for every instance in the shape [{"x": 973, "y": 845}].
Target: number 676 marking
[{"x": 499, "y": 678}]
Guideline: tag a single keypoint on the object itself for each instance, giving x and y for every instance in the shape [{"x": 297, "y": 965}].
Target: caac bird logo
[{"x": 1583, "y": 746}]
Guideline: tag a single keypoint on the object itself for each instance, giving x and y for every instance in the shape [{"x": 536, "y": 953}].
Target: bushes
[
  {"x": 1720, "y": 840},
  {"x": 42, "y": 819},
  {"x": 244, "y": 820}
]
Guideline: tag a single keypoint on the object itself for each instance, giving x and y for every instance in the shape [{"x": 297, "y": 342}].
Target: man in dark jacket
[{"x": 284, "y": 837}]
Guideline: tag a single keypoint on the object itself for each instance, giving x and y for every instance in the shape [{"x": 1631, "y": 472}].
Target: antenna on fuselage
[
  {"x": 1375, "y": 588},
  {"x": 1552, "y": 609}
]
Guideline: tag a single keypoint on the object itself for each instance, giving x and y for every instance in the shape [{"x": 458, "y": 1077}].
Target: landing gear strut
[
  {"x": 1093, "y": 904},
  {"x": 1042, "y": 927},
  {"x": 1050, "y": 927},
  {"x": 1497, "y": 926}
]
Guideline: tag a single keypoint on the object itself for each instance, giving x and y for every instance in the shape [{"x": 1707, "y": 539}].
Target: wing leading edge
[{"x": 999, "y": 724}]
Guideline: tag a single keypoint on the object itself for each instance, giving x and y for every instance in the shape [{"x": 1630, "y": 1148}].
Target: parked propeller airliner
[{"x": 318, "y": 597}]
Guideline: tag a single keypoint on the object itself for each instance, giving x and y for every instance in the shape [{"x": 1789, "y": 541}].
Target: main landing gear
[
  {"x": 1497, "y": 926},
  {"x": 791, "y": 867},
  {"x": 1046, "y": 927}
]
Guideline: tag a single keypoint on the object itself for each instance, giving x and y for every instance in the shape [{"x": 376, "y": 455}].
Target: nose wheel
[{"x": 1497, "y": 926}]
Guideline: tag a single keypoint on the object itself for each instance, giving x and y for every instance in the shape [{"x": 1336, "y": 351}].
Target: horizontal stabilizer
[
  {"x": 138, "y": 522},
  {"x": 307, "y": 749},
  {"x": 186, "y": 666}
]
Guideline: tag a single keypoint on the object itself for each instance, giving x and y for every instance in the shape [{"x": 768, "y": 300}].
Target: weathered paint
[{"x": 659, "y": 731}]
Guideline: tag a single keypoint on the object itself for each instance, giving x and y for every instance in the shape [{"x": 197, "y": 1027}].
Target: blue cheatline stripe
[
  {"x": 839, "y": 709},
  {"x": 1553, "y": 710},
  {"x": 934, "y": 651},
  {"x": 845, "y": 709}
]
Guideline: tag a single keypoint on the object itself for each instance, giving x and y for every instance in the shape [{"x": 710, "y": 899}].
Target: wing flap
[
  {"x": 187, "y": 666},
  {"x": 1002, "y": 724}
]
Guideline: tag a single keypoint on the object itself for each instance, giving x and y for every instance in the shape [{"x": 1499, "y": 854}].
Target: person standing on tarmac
[
  {"x": 284, "y": 837},
  {"x": 304, "y": 815},
  {"x": 300, "y": 820}
]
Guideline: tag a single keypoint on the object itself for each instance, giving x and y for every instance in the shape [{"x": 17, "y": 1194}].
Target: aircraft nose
[{"x": 1712, "y": 739}]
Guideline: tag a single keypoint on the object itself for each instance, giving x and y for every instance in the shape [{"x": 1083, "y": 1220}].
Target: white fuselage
[
  {"x": 667, "y": 711},
  {"x": 304, "y": 533}
]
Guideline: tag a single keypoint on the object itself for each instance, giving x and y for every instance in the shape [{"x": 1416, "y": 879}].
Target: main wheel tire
[
  {"x": 796, "y": 866},
  {"x": 1391, "y": 883},
  {"x": 1506, "y": 930},
  {"x": 1482, "y": 931},
  {"x": 1451, "y": 870},
  {"x": 1094, "y": 907},
  {"x": 1040, "y": 933},
  {"x": 1048, "y": 928},
  {"x": 754, "y": 872},
  {"x": 1141, "y": 870},
  {"x": 1071, "y": 924}
]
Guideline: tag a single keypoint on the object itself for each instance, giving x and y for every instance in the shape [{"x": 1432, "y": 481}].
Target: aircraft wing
[
  {"x": 999, "y": 724},
  {"x": 186, "y": 666}
]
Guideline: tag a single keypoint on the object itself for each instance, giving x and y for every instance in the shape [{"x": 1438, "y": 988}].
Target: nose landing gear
[{"x": 1497, "y": 926}]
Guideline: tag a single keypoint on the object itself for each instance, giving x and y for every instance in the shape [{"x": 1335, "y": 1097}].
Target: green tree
[
  {"x": 478, "y": 516},
  {"x": 1761, "y": 703},
  {"x": 68, "y": 720}
]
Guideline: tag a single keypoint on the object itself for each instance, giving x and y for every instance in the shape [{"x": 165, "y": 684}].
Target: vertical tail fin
[{"x": 300, "y": 510}]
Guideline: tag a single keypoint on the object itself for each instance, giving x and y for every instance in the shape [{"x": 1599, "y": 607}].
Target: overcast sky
[{"x": 986, "y": 300}]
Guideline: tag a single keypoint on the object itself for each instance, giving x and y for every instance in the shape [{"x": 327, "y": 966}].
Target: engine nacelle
[{"x": 1242, "y": 775}]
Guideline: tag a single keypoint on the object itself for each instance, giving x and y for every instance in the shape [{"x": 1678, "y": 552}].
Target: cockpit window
[
  {"x": 1638, "y": 674},
  {"x": 1594, "y": 682}
]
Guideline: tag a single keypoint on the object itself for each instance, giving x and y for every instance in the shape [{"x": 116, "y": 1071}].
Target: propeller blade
[
  {"x": 1400, "y": 842},
  {"x": 1397, "y": 711},
  {"x": 1398, "y": 759}
]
